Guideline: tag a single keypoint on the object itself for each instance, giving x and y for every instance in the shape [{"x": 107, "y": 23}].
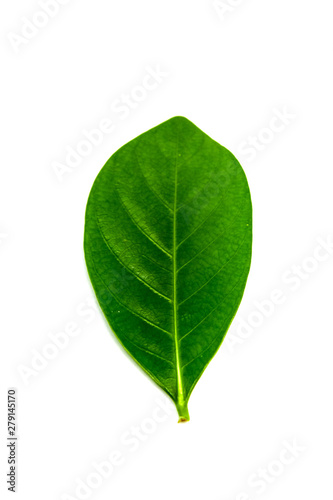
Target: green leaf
[{"x": 168, "y": 237}]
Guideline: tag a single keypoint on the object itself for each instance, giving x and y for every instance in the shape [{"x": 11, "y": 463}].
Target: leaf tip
[{"x": 180, "y": 120}]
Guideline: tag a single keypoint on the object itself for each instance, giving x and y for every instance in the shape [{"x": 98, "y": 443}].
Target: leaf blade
[{"x": 168, "y": 233}]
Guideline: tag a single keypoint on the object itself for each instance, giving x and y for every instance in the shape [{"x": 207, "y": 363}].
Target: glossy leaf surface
[{"x": 168, "y": 238}]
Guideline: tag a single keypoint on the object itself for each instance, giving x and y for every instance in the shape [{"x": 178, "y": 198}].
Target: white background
[{"x": 229, "y": 74}]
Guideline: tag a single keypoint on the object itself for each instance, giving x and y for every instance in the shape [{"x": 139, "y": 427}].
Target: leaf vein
[
  {"x": 149, "y": 186},
  {"x": 195, "y": 196},
  {"x": 203, "y": 352},
  {"x": 140, "y": 228},
  {"x": 148, "y": 351},
  {"x": 214, "y": 309},
  {"x": 214, "y": 275},
  {"x": 204, "y": 220},
  {"x": 126, "y": 267},
  {"x": 143, "y": 318},
  {"x": 213, "y": 241}
]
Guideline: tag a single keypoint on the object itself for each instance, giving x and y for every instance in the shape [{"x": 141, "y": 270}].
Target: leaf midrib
[{"x": 180, "y": 392}]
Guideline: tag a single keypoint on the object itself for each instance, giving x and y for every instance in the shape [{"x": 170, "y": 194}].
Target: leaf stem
[{"x": 182, "y": 412}]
